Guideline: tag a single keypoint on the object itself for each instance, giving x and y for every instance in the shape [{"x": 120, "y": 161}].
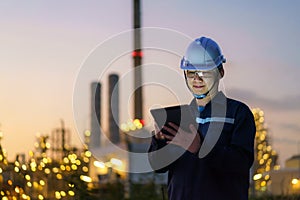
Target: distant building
[
  {"x": 293, "y": 162},
  {"x": 286, "y": 181}
]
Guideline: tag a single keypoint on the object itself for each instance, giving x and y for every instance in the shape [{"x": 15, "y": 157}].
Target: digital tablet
[{"x": 180, "y": 115}]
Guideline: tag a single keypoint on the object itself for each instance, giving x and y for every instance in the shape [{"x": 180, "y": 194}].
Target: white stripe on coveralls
[{"x": 215, "y": 119}]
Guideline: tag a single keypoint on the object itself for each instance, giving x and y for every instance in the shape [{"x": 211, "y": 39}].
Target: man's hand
[
  {"x": 190, "y": 141},
  {"x": 158, "y": 134}
]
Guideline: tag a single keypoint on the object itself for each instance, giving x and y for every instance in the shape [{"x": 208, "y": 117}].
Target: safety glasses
[{"x": 200, "y": 74}]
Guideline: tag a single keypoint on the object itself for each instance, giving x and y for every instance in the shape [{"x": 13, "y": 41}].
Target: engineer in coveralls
[{"x": 212, "y": 160}]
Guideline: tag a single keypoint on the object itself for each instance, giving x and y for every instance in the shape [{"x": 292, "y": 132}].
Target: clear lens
[{"x": 201, "y": 74}]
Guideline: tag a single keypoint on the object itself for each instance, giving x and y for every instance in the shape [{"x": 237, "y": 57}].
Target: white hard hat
[{"x": 202, "y": 54}]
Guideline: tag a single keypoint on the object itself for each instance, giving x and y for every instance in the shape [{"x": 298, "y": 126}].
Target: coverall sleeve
[
  {"x": 153, "y": 154},
  {"x": 162, "y": 156}
]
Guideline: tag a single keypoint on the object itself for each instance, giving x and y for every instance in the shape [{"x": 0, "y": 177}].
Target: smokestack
[
  {"x": 95, "y": 114},
  {"x": 137, "y": 57},
  {"x": 113, "y": 94}
]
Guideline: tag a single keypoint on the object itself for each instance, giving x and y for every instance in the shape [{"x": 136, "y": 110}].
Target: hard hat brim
[{"x": 186, "y": 65}]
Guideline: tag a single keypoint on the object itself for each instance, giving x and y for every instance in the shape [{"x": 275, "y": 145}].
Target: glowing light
[
  {"x": 66, "y": 160},
  {"x": 74, "y": 167},
  {"x": 266, "y": 156},
  {"x": 45, "y": 160},
  {"x": 99, "y": 164},
  {"x": 31, "y": 153},
  {"x": 35, "y": 185},
  {"x": 27, "y": 177},
  {"x": 261, "y": 113},
  {"x": 261, "y": 161},
  {"x": 17, "y": 163},
  {"x": 88, "y": 154},
  {"x": 276, "y": 167},
  {"x": 85, "y": 169},
  {"x": 59, "y": 176},
  {"x": 261, "y": 119},
  {"x": 17, "y": 169},
  {"x": 40, "y": 167},
  {"x": 295, "y": 181},
  {"x": 48, "y": 145},
  {"x": 29, "y": 184},
  {"x": 86, "y": 178},
  {"x": 137, "y": 53},
  {"x": 71, "y": 193},
  {"x": 62, "y": 167},
  {"x": 17, "y": 190},
  {"x": 102, "y": 168},
  {"x": 33, "y": 165},
  {"x": 57, "y": 195},
  {"x": 42, "y": 182},
  {"x": 116, "y": 162},
  {"x": 47, "y": 171},
  {"x": 55, "y": 170},
  {"x": 267, "y": 177},
  {"x": 9, "y": 182},
  {"x": 132, "y": 125},
  {"x": 86, "y": 160},
  {"x": 68, "y": 168},
  {"x": 78, "y": 162},
  {"x": 262, "y": 137},
  {"x": 24, "y": 167},
  {"x": 87, "y": 133},
  {"x": 63, "y": 193},
  {"x": 257, "y": 177}
]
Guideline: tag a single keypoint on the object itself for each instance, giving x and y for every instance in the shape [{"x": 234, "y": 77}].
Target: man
[{"x": 211, "y": 161}]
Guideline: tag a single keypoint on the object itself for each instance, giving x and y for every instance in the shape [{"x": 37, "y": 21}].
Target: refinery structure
[{"x": 56, "y": 169}]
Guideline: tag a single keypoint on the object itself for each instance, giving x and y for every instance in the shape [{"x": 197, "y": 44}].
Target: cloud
[{"x": 286, "y": 103}]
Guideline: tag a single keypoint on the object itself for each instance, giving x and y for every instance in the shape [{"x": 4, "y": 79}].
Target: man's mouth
[{"x": 198, "y": 86}]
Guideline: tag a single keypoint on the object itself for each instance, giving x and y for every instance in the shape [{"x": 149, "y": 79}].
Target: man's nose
[{"x": 198, "y": 77}]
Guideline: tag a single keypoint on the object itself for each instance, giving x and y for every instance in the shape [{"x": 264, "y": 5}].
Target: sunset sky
[{"x": 45, "y": 46}]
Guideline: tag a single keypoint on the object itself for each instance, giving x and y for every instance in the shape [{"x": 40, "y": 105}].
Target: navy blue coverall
[{"x": 223, "y": 174}]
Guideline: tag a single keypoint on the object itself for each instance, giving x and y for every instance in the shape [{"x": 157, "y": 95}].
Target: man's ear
[{"x": 221, "y": 71}]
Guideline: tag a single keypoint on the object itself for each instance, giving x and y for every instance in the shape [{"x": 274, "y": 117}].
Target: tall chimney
[
  {"x": 113, "y": 96},
  {"x": 95, "y": 114},
  {"x": 137, "y": 57}
]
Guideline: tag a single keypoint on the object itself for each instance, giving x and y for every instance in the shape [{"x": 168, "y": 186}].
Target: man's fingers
[
  {"x": 169, "y": 130},
  {"x": 168, "y": 137},
  {"x": 173, "y": 125}
]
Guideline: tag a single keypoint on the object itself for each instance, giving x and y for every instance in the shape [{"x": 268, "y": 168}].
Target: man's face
[{"x": 200, "y": 82}]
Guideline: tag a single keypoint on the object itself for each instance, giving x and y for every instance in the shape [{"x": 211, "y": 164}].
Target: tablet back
[{"x": 180, "y": 115}]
